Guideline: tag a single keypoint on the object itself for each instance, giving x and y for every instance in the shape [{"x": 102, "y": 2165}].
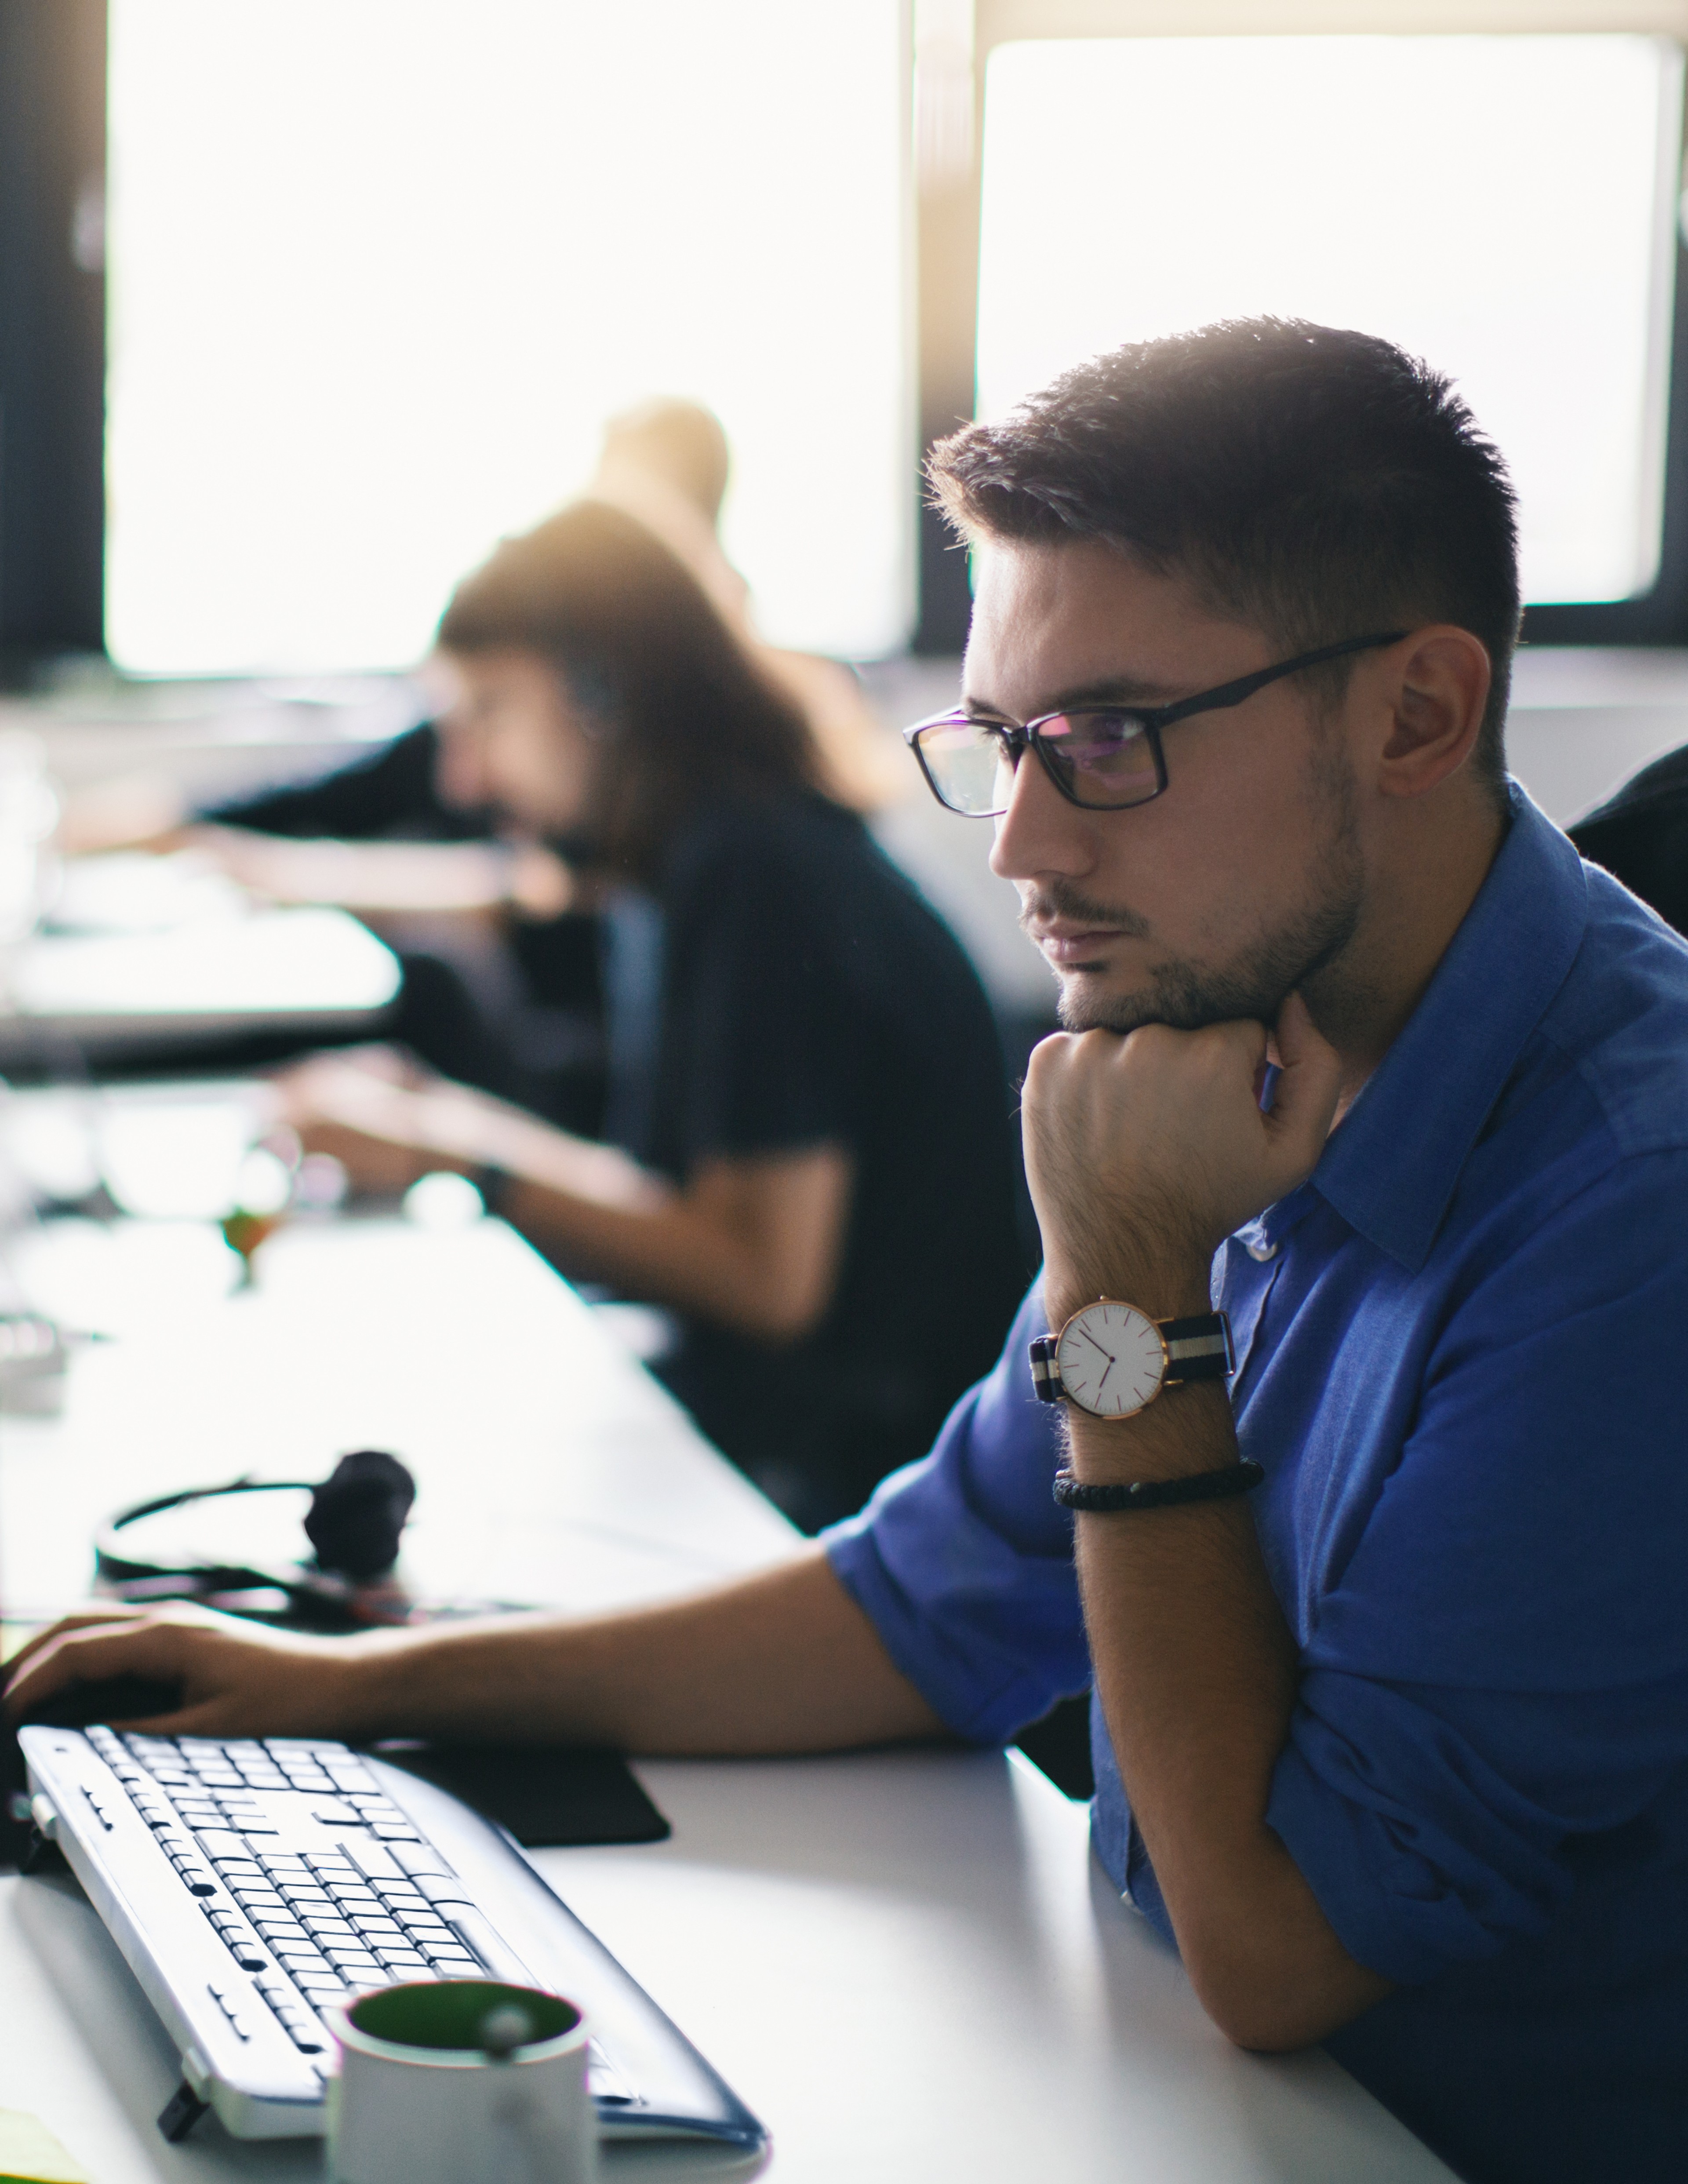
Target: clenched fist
[{"x": 1145, "y": 1153}]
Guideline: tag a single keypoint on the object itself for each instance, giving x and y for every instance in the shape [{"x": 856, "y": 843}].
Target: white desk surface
[
  {"x": 152, "y": 955},
  {"x": 549, "y": 1467},
  {"x": 906, "y": 1962}
]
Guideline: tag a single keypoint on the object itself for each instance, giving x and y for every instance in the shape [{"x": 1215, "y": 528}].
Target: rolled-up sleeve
[{"x": 964, "y": 1563}]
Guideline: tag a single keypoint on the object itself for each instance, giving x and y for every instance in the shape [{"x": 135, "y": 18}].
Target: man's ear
[{"x": 1441, "y": 690}]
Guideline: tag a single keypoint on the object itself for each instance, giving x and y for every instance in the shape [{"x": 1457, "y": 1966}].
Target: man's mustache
[{"x": 1058, "y": 899}]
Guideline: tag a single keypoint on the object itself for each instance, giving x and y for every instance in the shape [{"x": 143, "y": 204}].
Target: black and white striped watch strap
[{"x": 1198, "y": 1348}]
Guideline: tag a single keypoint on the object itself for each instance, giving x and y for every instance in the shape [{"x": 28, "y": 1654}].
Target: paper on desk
[{"x": 30, "y": 2154}]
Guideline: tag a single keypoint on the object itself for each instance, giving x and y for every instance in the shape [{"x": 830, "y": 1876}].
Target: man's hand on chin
[{"x": 1144, "y": 1153}]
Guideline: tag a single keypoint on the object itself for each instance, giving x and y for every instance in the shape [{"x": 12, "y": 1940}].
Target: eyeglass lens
[{"x": 1103, "y": 760}]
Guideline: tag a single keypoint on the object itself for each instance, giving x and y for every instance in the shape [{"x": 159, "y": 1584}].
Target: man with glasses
[{"x": 1339, "y": 1443}]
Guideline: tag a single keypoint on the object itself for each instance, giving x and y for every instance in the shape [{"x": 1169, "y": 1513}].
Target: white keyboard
[{"x": 251, "y": 1885}]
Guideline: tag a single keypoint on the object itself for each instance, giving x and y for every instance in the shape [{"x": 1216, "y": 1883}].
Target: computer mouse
[{"x": 113, "y": 1699}]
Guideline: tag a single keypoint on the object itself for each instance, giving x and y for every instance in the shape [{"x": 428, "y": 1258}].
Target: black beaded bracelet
[{"x": 1240, "y": 1478}]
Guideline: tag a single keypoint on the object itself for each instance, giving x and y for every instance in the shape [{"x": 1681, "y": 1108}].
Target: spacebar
[{"x": 477, "y": 1936}]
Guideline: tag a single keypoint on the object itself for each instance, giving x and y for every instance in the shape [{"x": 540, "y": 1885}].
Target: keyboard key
[
  {"x": 418, "y": 1860},
  {"x": 444, "y": 1891},
  {"x": 373, "y": 1860},
  {"x": 218, "y": 1843},
  {"x": 398, "y": 1833},
  {"x": 196, "y": 1878},
  {"x": 454, "y": 1963}
]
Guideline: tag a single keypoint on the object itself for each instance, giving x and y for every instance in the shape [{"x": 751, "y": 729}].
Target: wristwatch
[{"x": 1113, "y": 1360}]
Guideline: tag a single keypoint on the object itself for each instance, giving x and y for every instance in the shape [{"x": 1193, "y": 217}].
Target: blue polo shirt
[{"x": 1461, "y": 1347}]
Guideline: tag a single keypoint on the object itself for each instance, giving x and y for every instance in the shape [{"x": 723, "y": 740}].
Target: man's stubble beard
[{"x": 1255, "y": 984}]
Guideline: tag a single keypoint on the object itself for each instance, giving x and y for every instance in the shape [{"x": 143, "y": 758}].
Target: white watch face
[{"x": 1112, "y": 1360}]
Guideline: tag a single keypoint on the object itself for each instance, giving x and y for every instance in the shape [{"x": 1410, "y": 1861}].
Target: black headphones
[{"x": 353, "y": 1523}]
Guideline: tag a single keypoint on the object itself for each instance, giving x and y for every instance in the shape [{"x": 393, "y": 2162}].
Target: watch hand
[
  {"x": 1095, "y": 1344},
  {"x": 1106, "y": 1369}
]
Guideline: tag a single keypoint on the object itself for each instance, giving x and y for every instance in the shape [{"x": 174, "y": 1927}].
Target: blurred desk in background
[
  {"x": 100, "y": 989},
  {"x": 550, "y": 1468}
]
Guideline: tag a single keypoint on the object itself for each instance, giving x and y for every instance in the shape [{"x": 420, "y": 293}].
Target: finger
[
  {"x": 1310, "y": 1079},
  {"x": 1045, "y": 1057},
  {"x": 89, "y": 1655},
  {"x": 37, "y": 1639}
]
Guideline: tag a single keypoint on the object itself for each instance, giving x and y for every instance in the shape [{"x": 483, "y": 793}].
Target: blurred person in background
[
  {"x": 501, "y": 966},
  {"x": 809, "y": 1158}
]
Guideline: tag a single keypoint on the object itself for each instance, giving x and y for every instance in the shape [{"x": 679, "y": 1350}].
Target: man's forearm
[
  {"x": 1196, "y": 1671},
  {"x": 782, "y": 1662}
]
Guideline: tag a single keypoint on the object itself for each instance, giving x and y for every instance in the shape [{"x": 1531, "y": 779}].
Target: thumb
[{"x": 1309, "y": 1083}]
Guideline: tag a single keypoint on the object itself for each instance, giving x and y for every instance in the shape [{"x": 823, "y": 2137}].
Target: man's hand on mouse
[
  {"x": 237, "y": 1678},
  {"x": 1145, "y": 1152}
]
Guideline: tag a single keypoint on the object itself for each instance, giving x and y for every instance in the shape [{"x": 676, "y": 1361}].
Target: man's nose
[{"x": 1040, "y": 832}]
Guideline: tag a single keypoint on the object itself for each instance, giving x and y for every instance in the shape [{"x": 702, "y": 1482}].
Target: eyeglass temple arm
[{"x": 1233, "y": 694}]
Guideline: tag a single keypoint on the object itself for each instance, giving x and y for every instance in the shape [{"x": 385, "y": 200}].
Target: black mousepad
[{"x": 548, "y": 1798}]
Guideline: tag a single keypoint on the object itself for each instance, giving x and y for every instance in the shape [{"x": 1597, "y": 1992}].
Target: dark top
[
  {"x": 386, "y": 794},
  {"x": 810, "y": 997},
  {"x": 1640, "y": 835}
]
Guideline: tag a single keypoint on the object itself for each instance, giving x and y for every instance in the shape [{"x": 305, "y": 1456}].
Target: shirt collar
[{"x": 1392, "y": 1168}]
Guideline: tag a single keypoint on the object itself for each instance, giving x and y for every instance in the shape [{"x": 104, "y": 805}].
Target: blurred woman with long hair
[{"x": 808, "y": 1157}]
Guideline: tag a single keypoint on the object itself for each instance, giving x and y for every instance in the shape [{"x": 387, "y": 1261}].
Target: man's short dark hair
[{"x": 1315, "y": 483}]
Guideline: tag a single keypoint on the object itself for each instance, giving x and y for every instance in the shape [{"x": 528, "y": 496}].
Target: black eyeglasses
[{"x": 1103, "y": 759}]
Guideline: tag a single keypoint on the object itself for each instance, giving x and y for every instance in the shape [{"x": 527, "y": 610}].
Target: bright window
[
  {"x": 380, "y": 268},
  {"x": 1505, "y": 207}
]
